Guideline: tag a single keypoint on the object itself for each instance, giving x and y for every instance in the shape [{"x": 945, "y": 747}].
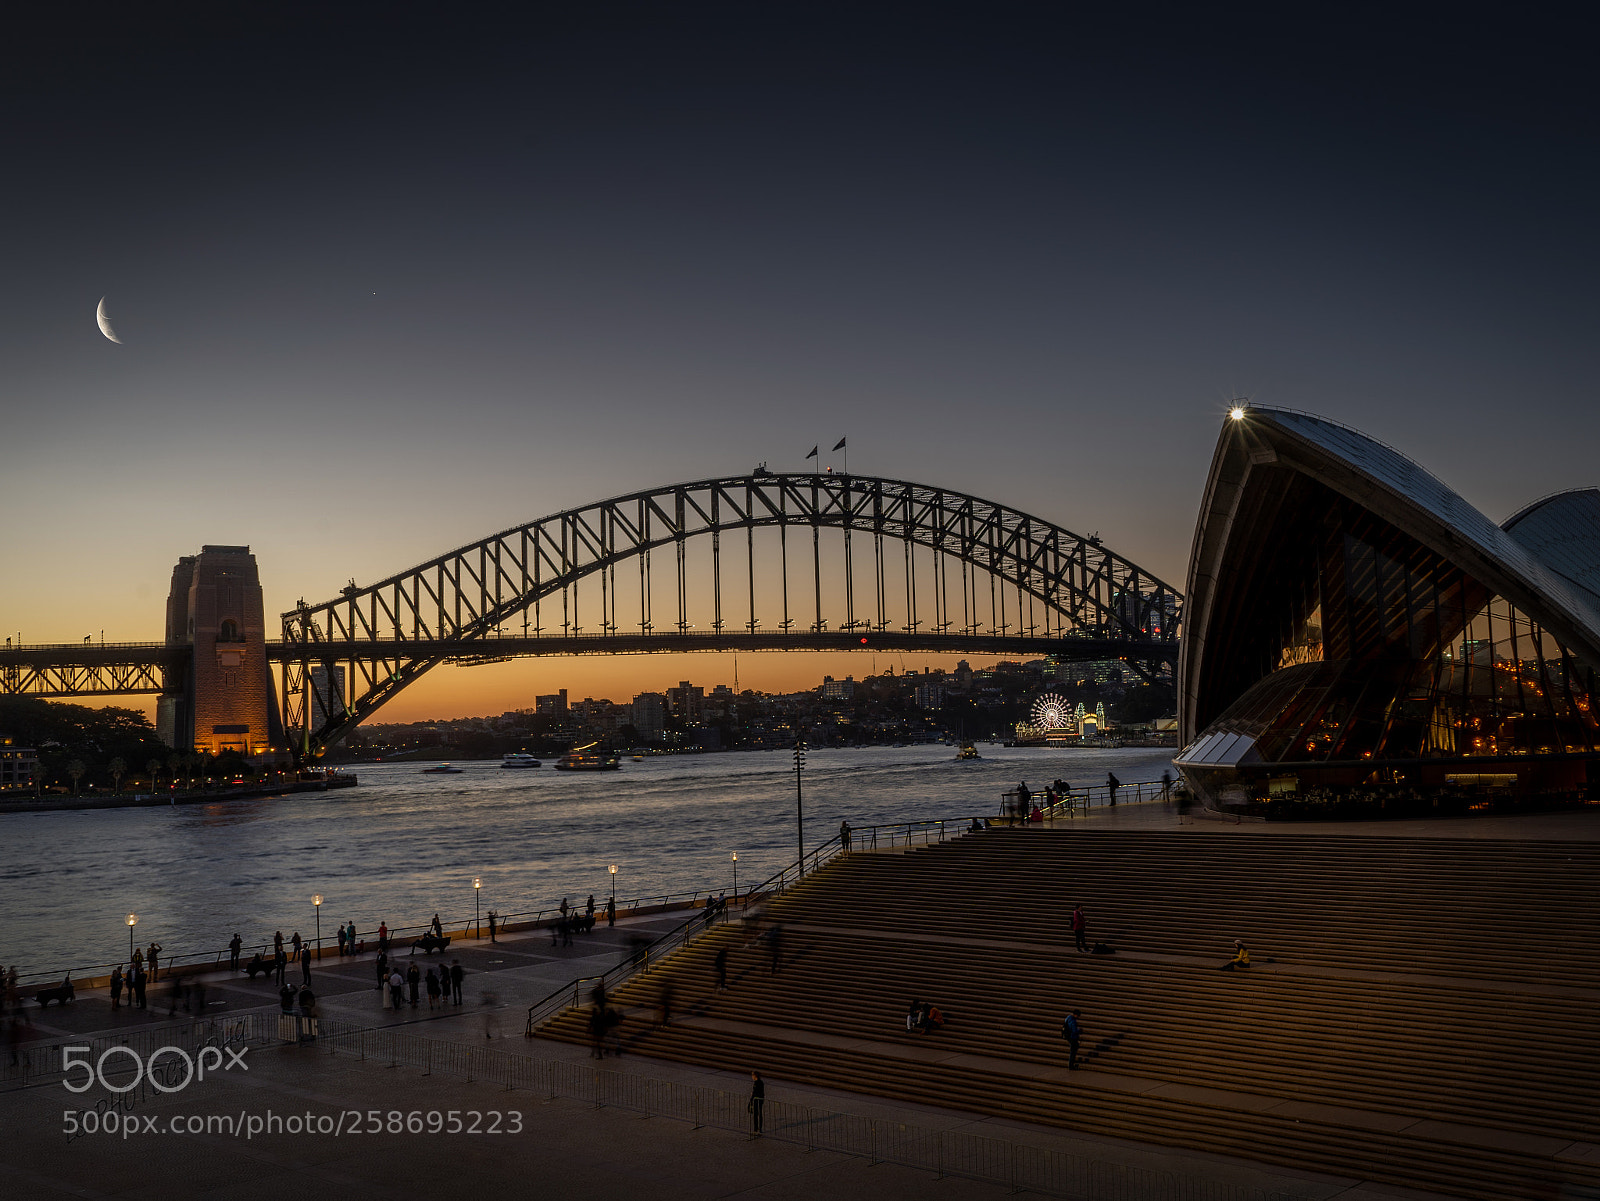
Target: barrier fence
[
  {"x": 38, "y": 1063},
  {"x": 943, "y": 1152}
]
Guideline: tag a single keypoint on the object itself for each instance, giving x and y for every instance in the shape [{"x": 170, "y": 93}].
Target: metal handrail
[
  {"x": 862, "y": 838},
  {"x": 638, "y": 960},
  {"x": 681, "y": 935},
  {"x": 1084, "y": 798}
]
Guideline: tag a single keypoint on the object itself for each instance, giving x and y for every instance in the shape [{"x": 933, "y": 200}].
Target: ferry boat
[
  {"x": 520, "y": 759},
  {"x": 444, "y": 769},
  {"x": 968, "y": 751},
  {"x": 587, "y": 758}
]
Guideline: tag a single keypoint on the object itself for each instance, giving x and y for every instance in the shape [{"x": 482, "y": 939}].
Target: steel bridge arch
[{"x": 1084, "y": 589}]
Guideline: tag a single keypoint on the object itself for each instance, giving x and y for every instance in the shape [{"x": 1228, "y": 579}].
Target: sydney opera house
[{"x": 1358, "y": 637}]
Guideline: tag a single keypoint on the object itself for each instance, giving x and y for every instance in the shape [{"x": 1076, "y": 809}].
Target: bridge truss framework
[{"x": 990, "y": 576}]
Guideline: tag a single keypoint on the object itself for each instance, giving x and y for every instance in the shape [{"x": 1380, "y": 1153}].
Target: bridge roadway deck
[{"x": 160, "y": 654}]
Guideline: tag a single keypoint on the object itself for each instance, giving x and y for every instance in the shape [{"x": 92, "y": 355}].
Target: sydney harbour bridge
[{"x": 759, "y": 562}]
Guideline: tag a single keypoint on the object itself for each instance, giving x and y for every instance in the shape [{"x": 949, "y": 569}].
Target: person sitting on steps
[{"x": 1241, "y": 957}]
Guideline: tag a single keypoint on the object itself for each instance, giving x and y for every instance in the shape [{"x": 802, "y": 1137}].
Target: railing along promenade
[
  {"x": 191, "y": 962},
  {"x": 1082, "y": 800}
]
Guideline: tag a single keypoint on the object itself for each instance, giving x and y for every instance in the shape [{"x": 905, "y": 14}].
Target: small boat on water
[
  {"x": 520, "y": 759},
  {"x": 444, "y": 769},
  {"x": 968, "y": 751},
  {"x": 587, "y": 758}
]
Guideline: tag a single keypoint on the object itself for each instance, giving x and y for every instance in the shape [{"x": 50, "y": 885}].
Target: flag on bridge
[
  {"x": 814, "y": 450},
  {"x": 840, "y": 445}
]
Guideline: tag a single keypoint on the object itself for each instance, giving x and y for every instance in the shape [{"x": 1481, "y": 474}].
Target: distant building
[
  {"x": 649, "y": 712},
  {"x": 930, "y": 696},
  {"x": 838, "y": 690},
  {"x": 685, "y": 702},
  {"x": 19, "y": 765},
  {"x": 554, "y": 705},
  {"x": 327, "y": 693}
]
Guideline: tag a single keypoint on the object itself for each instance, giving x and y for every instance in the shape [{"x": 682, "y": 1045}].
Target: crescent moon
[{"x": 105, "y": 322}]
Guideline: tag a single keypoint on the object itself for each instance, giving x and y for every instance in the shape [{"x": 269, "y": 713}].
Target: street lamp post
[
  {"x": 133, "y": 920},
  {"x": 799, "y": 803},
  {"x": 316, "y": 901},
  {"x": 736, "y": 875},
  {"x": 477, "y": 902},
  {"x": 613, "y": 870}
]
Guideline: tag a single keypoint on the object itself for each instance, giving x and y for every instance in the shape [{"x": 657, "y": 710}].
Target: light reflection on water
[{"x": 403, "y": 844}]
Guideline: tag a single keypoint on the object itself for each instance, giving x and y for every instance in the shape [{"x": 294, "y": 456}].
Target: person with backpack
[
  {"x": 1072, "y": 1031},
  {"x": 1241, "y": 957}
]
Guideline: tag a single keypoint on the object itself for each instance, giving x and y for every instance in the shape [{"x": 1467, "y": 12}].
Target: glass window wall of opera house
[{"x": 1360, "y": 641}]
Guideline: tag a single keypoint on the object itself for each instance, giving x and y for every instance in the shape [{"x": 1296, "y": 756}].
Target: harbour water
[{"x": 404, "y": 844}]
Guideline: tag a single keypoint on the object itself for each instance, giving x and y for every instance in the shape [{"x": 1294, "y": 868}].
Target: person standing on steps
[
  {"x": 758, "y": 1099},
  {"x": 1112, "y": 784},
  {"x": 844, "y": 836},
  {"x": 1080, "y": 928},
  {"x": 1240, "y": 960},
  {"x": 775, "y": 948},
  {"x": 1072, "y": 1032},
  {"x": 721, "y": 965}
]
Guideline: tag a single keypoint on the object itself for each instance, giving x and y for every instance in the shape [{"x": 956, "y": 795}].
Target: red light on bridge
[{"x": 863, "y": 642}]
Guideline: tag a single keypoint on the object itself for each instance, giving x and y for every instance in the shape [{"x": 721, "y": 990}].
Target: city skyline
[{"x": 381, "y": 289}]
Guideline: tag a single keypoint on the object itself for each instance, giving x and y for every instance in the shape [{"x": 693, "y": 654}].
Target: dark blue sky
[{"x": 392, "y": 279}]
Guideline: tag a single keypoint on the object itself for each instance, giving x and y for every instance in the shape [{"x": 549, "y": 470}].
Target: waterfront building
[
  {"x": 18, "y": 765},
  {"x": 554, "y": 705},
  {"x": 1358, "y": 634}
]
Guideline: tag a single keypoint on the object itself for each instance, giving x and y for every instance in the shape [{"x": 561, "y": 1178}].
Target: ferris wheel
[{"x": 1052, "y": 712}]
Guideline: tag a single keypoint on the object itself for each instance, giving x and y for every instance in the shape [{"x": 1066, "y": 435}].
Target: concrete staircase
[{"x": 1422, "y": 1012}]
